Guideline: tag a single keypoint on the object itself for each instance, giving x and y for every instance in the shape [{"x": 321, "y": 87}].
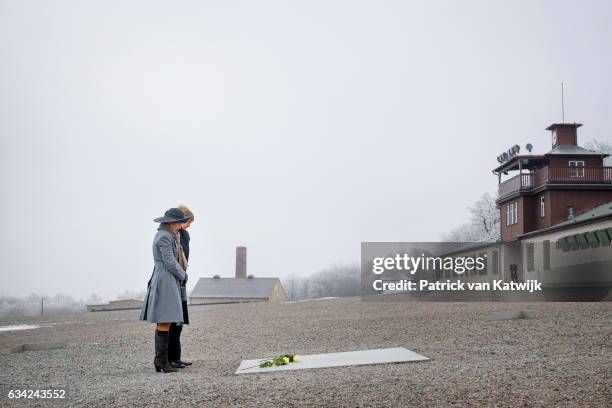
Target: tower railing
[
  {"x": 580, "y": 174},
  {"x": 556, "y": 175}
]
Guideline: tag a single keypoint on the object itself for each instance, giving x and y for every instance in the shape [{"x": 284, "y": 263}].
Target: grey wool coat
[{"x": 162, "y": 304}]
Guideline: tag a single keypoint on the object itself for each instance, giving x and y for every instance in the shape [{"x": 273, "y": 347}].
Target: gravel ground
[{"x": 562, "y": 358}]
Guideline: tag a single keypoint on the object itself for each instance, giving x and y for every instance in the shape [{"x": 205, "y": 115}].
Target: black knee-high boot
[
  {"x": 161, "y": 353},
  {"x": 175, "y": 349},
  {"x": 174, "y": 346}
]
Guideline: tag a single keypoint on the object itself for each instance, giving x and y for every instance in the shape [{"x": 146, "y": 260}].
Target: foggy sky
[{"x": 298, "y": 129}]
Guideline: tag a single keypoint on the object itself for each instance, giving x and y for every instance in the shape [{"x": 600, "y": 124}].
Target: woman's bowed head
[
  {"x": 163, "y": 302},
  {"x": 175, "y": 218},
  {"x": 187, "y": 212}
]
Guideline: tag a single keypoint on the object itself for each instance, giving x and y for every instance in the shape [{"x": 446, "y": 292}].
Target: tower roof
[
  {"x": 564, "y": 125},
  {"x": 572, "y": 150}
]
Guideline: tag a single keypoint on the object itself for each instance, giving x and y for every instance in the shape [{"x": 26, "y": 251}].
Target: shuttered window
[
  {"x": 546, "y": 255},
  {"x": 483, "y": 271},
  {"x": 530, "y": 258},
  {"x": 512, "y": 213},
  {"x": 495, "y": 262}
]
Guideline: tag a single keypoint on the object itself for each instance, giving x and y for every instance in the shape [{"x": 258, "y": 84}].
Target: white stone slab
[{"x": 349, "y": 358}]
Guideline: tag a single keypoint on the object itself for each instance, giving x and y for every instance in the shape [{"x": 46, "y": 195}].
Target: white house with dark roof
[
  {"x": 237, "y": 290},
  {"x": 240, "y": 289},
  {"x": 124, "y": 304}
]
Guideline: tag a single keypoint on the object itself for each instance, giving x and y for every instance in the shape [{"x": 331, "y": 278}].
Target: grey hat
[{"x": 173, "y": 216}]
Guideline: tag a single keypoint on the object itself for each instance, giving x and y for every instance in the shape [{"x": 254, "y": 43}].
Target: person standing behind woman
[
  {"x": 162, "y": 304},
  {"x": 174, "y": 346}
]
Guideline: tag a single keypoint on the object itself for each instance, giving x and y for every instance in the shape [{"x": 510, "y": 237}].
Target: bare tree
[
  {"x": 601, "y": 146},
  {"x": 129, "y": 294},
  {"x": 290, "y": 286},
  {"x": 485, "y": 214},
  {"x": 31, "y": 305},
  {"x": 482, "y": 226},
  {"x": 336, "y": 281},
  {"x": 94, "y": 299}
]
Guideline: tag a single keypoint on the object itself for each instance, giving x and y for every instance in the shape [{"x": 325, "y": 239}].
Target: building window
[
  {"x": 576, "y": 168},
  {"x": 570, "y": 212},
  {"x": 512, "y": 213},
  {"x": 483, "y": 271},
  {"x": 530, "y": 258},
  {"x": 542, "y": 207},
  {"x": 508, "y": 214},
  {"x": 468, "y": 272},
  {"x": 546, "y": 255}
]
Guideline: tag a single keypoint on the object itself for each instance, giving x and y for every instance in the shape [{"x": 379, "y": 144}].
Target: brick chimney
[
  {"x": 564, "y": 133},
  {"x": 241, "y": 257}
]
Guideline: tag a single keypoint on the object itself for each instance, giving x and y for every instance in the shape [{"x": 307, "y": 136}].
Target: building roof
[
  {"x": 527, "y": 160},
  {"x": 468, "y": 247},
  {"x": 596, "y": 212},
  {"x": 126, "y": 300},
  {"x": 253, "y": 288},
  {"x": 572, "y": 150},
  {"x": 601, "y": 212},
  {"x": 564, "y": 125}
]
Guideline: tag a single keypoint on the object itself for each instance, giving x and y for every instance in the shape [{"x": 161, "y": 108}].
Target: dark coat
[
  {"x": 185, "y": 238},
  {"x": 163, "y": 303}
]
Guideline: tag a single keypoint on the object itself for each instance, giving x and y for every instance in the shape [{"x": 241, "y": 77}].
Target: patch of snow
[{"x": 16, "y": 327}]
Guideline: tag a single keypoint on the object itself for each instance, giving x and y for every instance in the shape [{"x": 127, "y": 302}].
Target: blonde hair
[{"x": 186, "y": 211}]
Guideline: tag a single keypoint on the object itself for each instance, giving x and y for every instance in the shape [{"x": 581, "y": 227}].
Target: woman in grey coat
[{"x": 162, "y": 304}]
